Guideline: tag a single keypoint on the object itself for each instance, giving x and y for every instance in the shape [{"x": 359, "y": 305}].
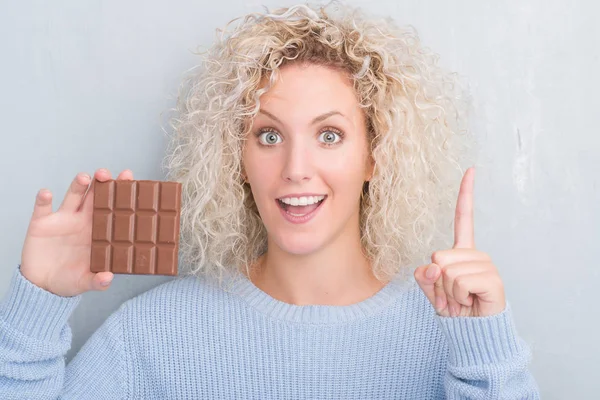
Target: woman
[{"x": 318, "y": 151}]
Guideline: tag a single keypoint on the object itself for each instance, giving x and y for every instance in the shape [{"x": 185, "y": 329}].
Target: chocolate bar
[{"x": 135, "y": 228}]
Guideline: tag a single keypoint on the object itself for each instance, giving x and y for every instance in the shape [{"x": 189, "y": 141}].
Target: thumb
[{"x": 426, "y": 276}]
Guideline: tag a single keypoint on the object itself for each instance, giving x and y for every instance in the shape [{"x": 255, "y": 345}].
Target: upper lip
[{"x": 300, "y": 195}]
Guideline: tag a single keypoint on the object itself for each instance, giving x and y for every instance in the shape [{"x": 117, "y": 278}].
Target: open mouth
[{"x": 300, "y": 210}]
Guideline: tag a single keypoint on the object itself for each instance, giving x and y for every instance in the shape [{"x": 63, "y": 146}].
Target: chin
[{"x": 299, "y": 244}]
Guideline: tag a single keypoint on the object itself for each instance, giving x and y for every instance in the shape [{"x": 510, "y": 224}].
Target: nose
[{"x": 298, "y": 165}]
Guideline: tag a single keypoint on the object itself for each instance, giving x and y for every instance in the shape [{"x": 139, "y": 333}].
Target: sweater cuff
[
  {"x": 35, "y": 312},
  {"x": 481, "y": 340}
]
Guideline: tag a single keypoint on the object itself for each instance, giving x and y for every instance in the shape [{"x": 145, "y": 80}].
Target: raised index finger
[{"x": 464, "y": 225}]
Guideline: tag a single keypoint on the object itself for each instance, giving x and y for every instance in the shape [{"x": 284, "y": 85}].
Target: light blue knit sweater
[{"x": 189, "y": 339}]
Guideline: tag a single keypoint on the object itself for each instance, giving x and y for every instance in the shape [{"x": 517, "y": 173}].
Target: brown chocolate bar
[{"x": 136, "y": 227}]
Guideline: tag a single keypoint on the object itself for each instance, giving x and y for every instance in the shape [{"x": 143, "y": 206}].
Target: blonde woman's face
[{"x": 308, "y": 143}]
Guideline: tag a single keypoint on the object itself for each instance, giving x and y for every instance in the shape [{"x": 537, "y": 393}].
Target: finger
[
  {"x": 487, "y": 286},
  {"x": 441, "y": 300},
  {"x": 43, "y": 204},
  {"x": 454, "y": 256},
  {"x": 425, "y": 282},
  {"x": 126, "y": 175},
  {"x": 460, "y": 289},
  {"x": 75, "y": 194},
  {"x": 454, "y": 307},
  {"x": 467, "y": 287},
  {"x": 101, "y": 175},
  {"x": 464, "y": 230},
  {"x": 453, "y": 272}
]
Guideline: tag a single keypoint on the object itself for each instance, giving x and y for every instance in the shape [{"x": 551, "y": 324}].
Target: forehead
[{"x": 310, "y": 90}]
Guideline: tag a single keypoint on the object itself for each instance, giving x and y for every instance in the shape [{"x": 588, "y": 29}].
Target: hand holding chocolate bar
[{"x": 56, "y": 252}]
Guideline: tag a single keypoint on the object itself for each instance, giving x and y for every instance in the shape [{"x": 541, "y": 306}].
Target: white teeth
[{"x": 301, "y": 201}]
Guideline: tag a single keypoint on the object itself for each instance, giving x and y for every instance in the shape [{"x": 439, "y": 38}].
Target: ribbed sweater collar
[{"x": 316, "y": 314}]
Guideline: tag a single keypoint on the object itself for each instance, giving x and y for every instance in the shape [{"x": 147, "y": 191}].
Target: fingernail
[
  {"x": 431, "y": 270},
  {"x": 105, "y": 283}
]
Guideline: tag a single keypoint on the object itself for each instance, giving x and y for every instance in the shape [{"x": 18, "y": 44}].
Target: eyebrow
[{"x": 320, "y": 118}]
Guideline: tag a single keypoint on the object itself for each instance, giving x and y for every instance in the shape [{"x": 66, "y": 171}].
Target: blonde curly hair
[{"x": 416, "y": 117}]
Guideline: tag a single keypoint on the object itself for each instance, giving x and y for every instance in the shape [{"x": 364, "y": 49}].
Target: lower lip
[{"x": 303, "y": 218}]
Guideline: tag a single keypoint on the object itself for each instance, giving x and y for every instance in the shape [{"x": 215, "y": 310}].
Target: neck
[{"x": 337, "y": 274}]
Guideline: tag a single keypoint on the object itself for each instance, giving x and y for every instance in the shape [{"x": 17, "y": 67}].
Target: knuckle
[
  {"x": 448, "y": 273},
  {"x": 459, "y": 282},
  {"x": 486, "y": 266},
  {"x": 418, "y": 272},
  {"x": 498, "y": 281},
  {"x": 434, "y": 257},
  {"x": 480, "y": 255},
  {"x": 437, "y": 257},
  {"x": 494, "y": 268}
]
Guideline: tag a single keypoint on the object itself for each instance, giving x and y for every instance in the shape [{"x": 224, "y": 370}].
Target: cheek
[
  {"x": 257, "y": 165},
  {"x": 260, "y": 175},
  {"x": 260, "y": 189},
  {"x": 345, "y": 173}
]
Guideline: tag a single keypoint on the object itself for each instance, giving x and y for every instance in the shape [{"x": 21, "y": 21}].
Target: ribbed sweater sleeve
[
  {"x": 34, "y": 339},
  {"x": 487, "y": 359}
]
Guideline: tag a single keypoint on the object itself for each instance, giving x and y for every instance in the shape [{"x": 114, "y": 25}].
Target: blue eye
[
  {"x": 329, "y": 137},
  {"x": 270, "y": 137}
]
